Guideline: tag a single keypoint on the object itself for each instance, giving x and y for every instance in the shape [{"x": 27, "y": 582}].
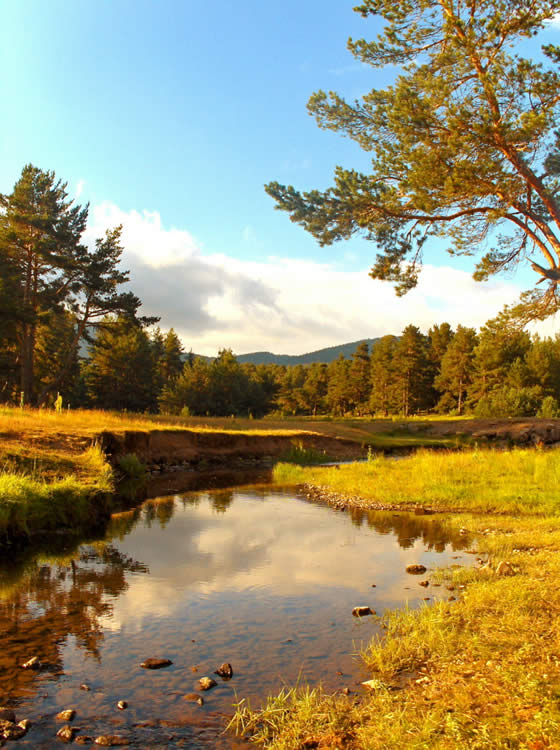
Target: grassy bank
[{"x": 481, "y": 671}]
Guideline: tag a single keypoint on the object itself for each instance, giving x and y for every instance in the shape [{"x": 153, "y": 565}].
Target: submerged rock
[
  {"x": 416, "y": 568},
  {"x": 194, "y": 698},
  {"x": 66, "y": 733},
  {"x": 111, "y": 740},
  {"x": 206, "y": 683},
  {"x": 67, "y": 715},
  {"x": 155, "y": 664},
  {"x": 362, "y": 611},
  {"x": 225, "y": 671}
]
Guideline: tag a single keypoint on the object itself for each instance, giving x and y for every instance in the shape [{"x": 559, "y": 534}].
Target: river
[{"x": 256, "y": 576}]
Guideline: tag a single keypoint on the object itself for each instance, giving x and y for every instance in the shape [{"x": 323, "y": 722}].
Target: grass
[
  {"x": 477, "y": 673},
  {"x": 522, "y": 480}
]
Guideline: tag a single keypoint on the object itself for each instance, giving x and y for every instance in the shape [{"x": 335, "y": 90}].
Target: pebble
[
  {"x": 424, "y": 583},
  {"x": 194, "y": 698},
  {"x": 122, "y": 705},
  {"x": 206, "y": 683},
  {"x": 416, "y": 568},
  {"x": 32, "y": 663},
  {"x": 67, "y": 715},
  {"x": 225, "y": 671},
  {"x": 111, "y": 740},
  {"x": 155, "y": 664},
  {"x": 66, "y": 733},
  {"x": 362, "y": 611}
]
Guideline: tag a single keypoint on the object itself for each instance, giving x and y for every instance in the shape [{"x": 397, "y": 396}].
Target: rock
[
  {"x": 7, "y": 714},
  {"x": 85, "y": 686},
  {"x": 505, "y": 569},
  {"x": 67, "y": 715},
  {"x": 10, "y": 731},
  {"x": 225, "y": 671},
  {"x": 346, "y": 691},
  {"x": 66, "y": 733},
  {"x": 83, "y": 739},
  {"x": 155, "y": 664},
  {"x": 194, "y": 698},
  {"x": 416, "y": 568},
  {"x": 122, "y": 705},
  {"x": 32, "y": 663},
  {"x": 424, "y": 583},
  {"x": 362, "y": 611},
  {"x": 373, "y": 684},
  {"x": 111, "y": 740},
  {"x": 206, "y": 683},
  {"x": 24, "y": 724}
]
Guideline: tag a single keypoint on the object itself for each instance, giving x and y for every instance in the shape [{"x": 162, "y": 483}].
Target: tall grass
[{"x": 489, "y": 481}]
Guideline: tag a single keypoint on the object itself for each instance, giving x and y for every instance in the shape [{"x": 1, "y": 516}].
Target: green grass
[
  {"x": 483, "y": 481},
  {"x": 478, "y": 673},
  {"x": 29, "y": 503}
]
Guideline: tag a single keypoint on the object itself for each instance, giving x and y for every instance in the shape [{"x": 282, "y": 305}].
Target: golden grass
[{"x": 481, "y": 672}]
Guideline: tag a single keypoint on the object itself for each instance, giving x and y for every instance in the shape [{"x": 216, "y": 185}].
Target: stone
[
  {"x": 194, "y": 698},
  {"x": 206, "y": 683},
  {"x": 504, "y": 569},
  {"x": 24, "y": 724},
  {"x": 66, "y": 734},
  {"x": 83, "y": 739},
  {"x": 32, "y": 663},
  {"x": 111, "y": 740},
  {"x": 225, "y": 671},
  {"x": 155, "y": 664},
  {"x": 424, "y": 583},
  {"x": 7, "y": 714},
  {"x": 67, "y": 715},
  {"x": 85, "y": 686},
  {"x": 10, "y": 731},
  {"x": 416, "y": 568},
  {"x": 122, "y": 705},
  {"x": 362, "y": 611}
]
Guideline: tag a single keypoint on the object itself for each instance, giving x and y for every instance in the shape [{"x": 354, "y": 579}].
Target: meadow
[{"x": 480, "y": 670}]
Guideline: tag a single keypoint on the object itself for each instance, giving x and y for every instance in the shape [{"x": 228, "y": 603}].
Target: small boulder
[
  {"x": 24, "y": 724},
  {"x": 10, "y": 731},
  {"x": 225, "y": 671},
  {"x": 504, "y": 569},
  {"x": 67, "y": 715},
  {"x": 66, "y": 734},
  {"x": 362, "y": 611},
  {"x": 416, "y": 569},
  {"x": 155, "y": 664},
  {"x": 111, "y": 740},
  {"x": 7, "y": 714},
  {"x": 122, "y": 705},
  {"x": 206, "y": 683}
]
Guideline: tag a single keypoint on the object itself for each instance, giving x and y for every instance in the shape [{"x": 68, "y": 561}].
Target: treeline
[{"x": 65, "y": 328}]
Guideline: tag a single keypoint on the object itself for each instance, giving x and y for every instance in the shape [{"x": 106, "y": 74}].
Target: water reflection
[{"x": 259, "y": 578}]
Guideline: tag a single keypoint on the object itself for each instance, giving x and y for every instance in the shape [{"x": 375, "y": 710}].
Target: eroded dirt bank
[{"x": 187, "y": 448}]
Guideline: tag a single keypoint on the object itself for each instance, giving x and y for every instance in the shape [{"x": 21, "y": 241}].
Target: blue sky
[{"x": 169, "y": 117}]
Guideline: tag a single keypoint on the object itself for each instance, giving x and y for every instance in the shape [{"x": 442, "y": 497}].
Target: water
[{"x": 254, "y": 576}]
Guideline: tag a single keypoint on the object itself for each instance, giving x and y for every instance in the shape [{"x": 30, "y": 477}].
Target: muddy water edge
[{"x": 251, "y": 575}]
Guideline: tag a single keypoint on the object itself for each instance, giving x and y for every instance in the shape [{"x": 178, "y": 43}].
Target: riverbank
[{"x": 481, "y": 670}]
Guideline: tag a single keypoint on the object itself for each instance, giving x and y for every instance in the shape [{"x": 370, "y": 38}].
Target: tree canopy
[{"x": 463, "y": 145}]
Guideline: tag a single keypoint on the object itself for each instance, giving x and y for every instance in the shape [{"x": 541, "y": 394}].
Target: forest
[{"x": 69, "y": 336}]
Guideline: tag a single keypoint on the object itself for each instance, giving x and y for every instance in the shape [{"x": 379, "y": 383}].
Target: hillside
[{"x": 320, "y": 355}]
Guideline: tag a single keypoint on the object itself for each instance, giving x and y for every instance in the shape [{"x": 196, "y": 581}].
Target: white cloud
[
  {"x": 555, "y": 20},
  {"x": 281, "y": 304}
]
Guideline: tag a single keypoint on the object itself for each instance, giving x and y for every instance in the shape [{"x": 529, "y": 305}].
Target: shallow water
[{"x": 254, "y": 576}]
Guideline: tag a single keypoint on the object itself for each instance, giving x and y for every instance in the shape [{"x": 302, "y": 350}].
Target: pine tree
[
  {"x": 456, "y": 370},
  {"x": 360, "y": 378},
  {"x": 463, "y": 144},
  {"x": 410, "y": 365},
  {"x": 383, "y": 398}
]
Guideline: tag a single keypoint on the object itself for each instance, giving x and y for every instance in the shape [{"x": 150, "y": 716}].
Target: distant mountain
[{"x": 321, "y": 355}]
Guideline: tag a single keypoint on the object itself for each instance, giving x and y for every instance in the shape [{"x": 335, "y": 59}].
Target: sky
[{"x": 169, "y": 117}]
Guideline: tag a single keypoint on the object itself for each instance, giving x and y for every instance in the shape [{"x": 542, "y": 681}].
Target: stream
[{"x": 255, "y": 575}]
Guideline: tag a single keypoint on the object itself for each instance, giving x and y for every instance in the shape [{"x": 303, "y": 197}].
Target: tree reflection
[
  {"x": 408, "y": 529},
  {"x": 52, "y": 602}
]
